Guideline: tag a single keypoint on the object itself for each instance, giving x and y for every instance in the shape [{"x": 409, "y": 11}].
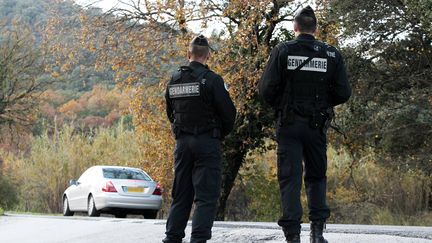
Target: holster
[{"x": 324, "y": 119}]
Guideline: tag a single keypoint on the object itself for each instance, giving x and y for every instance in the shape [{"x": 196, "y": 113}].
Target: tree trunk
[
  {"x": 231, "y": 165},
  {"x": 248, "y": 135}
]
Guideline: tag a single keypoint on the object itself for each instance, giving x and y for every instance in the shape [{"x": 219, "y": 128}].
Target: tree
[
  {"x": 146, "y": 40},
  {"x": 389, "y": 66},
  {"x": 390, "y": 71},
  {"x": 20, "y": 64}
]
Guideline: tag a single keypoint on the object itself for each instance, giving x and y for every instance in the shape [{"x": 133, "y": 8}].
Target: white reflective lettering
[
  {"x": 314, "y": 65},
  {"x": 184, "y": 90}
]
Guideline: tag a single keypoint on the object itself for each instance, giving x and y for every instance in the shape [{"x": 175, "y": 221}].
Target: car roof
[{"x": 115, "y": 167}]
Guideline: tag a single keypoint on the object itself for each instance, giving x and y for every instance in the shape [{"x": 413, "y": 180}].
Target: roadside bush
[
  {"x": 8, "y": 194},
  {"x": 366, "y": 193},
  {"x": 1, "y": 211},
  {"x": 44, "y": 172},
  {"x": 255, "y": 196}
]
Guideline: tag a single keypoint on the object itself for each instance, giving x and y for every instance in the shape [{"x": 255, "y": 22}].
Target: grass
[
  {"x": 385, "y": 217},
  {"x": 1, "y": 211}
]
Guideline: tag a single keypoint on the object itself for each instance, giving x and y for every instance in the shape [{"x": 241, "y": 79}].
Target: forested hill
[
  {"x": 31, "y": 12},
  {"x": 80, "y": 93},
  {"x": 35, "y": 15}
]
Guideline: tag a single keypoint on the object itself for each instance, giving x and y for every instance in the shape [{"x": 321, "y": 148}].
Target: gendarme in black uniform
[
  {"x": 201, "y": 113},
  {"x": 303, "y": 99}
]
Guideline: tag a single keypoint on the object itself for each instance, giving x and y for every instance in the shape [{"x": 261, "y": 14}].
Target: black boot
[
  {"x": 290, "y": 237},
  {"x": 197, "y": 241},
  {"x": 316, "y": 235},
  {"x": 168, "y": 240},
  {"x": 293, "y": 238}
]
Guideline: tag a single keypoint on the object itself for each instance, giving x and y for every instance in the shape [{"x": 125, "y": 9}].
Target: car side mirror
[{"x": 73, "y": 182}]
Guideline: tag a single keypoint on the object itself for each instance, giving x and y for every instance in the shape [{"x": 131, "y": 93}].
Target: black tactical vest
[
  {"x": 191, "y": 104},
  {"x": 309, "y": 86}
]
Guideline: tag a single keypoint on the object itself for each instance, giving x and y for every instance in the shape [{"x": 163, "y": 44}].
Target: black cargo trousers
[
  {"x": 299, "y": 142},
  {"x": 197, "y": 179}
]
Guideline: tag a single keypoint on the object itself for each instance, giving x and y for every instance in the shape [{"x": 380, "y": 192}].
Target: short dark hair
[
  {"x": 306, "y": 23},
  {"x": 199, "y": 51}
]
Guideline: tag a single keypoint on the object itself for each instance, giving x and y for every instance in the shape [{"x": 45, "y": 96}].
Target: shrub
[
  {"x": 367, "y": 193},
  {"x": 8, "y": 194},
  {"x": 255, "y": 196},
  {"x": 55, "y": 159}
]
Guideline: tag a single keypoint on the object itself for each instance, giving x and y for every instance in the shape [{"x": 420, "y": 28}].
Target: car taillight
[
  {"x": 158, "y": 190},
  {"x": 109, "y": 187}
]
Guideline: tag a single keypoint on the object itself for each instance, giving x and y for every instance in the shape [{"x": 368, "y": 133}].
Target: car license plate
[{"x": 135, "y": 189}]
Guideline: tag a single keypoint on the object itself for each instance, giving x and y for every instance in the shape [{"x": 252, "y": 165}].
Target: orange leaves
[
  {"x": 144, "y": 56},
  {"x": 55, "y": 74},
  {"x": 151, "y": 122},
  {"x": 70, "y": 109},
  {"x": 100, "y": 107}
]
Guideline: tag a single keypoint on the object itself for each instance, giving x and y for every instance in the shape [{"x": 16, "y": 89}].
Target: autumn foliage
[{"x": 107, "y": 73}]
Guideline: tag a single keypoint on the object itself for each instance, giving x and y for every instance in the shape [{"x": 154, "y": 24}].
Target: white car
[{"x": 113, "y": 189}]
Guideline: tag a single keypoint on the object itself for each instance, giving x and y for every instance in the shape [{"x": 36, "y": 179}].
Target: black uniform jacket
[
  {"x": 218, "y": 97},
  {"x": 276, "y": 73}
]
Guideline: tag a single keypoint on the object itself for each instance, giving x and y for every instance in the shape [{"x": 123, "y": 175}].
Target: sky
[
  {"x": 194, "y": 26},
  {"x": 108, "y": 4},
  {"x": 212, "y": 27},
  {"x": 104, "y": 4}
]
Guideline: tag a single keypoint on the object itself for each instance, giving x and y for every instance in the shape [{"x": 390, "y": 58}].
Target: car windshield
[{"x": 124, "y": 173}]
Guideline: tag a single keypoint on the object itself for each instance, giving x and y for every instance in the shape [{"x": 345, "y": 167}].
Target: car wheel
[
  {"x": 66, "y": 209},
  {"x": 91, "y": 208},
  {"x": 120, "y": 215},
  {"x": 150, "y": 214}
]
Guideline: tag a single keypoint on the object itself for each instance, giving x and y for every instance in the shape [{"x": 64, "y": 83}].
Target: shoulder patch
[
  {"x": 184, "y": 90},
  {"x": 331, "y": 54}
]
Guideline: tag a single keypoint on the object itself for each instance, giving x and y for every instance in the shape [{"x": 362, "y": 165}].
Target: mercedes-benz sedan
[{"x": 113, "y": 189}]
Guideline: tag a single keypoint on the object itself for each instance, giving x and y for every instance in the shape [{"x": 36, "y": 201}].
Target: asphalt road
[{"x": 16, "y": 228}]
